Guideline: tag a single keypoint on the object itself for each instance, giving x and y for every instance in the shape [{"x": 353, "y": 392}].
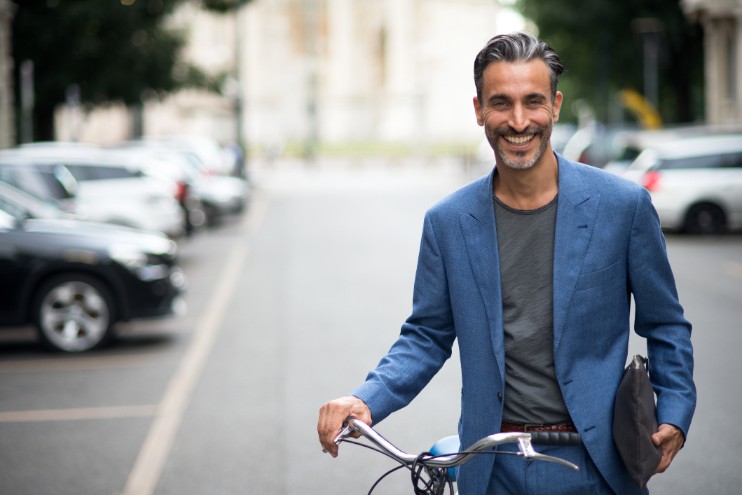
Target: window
[
  {"x": 102, "y": 172},
  {"x": 37, "y": 181},
  {"x": 721, "y": 160}
]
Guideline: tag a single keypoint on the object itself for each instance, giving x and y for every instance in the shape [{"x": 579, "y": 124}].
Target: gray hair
[{"x": 517, "y": 47}]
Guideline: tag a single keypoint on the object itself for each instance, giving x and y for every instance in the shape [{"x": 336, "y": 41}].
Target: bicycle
[{"x": 435, "y": 471}]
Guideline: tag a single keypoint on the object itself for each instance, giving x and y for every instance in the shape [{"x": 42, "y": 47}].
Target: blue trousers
[{"x": 512, "y": 475}]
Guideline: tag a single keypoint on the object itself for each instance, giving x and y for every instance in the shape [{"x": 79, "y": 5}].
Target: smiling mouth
[{"x": 519, "y": 139}]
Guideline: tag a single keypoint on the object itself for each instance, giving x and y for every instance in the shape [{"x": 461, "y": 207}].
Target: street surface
[{"x": 290, "y": 306}]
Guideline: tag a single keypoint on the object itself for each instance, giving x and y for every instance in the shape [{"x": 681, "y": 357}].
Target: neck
[{"x": 528, "y": 189}]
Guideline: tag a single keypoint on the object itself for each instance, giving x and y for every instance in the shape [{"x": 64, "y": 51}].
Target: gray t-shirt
[{"x": 526, "y": 247}]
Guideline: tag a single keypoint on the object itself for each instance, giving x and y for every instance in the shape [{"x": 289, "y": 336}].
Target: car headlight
[
  {"x": 129, "y": 256},
  {"x": 139, "y": 262}
]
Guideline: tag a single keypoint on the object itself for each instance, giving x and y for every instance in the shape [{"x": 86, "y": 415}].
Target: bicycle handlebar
[{"x": 525, "y": 449}]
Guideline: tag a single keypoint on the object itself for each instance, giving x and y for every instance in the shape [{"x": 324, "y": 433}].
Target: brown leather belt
[{"x": 556, "y": 427}]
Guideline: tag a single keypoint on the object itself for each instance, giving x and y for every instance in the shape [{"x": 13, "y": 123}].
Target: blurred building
[
  {"x": 354, "y": 71},
  {"x": 722, "y": 26},
  {"x": 336, "y": 72}
]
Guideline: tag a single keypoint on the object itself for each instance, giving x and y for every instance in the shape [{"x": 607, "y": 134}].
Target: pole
[
  {"x": 650, "y": 30},
  {"x": 27, "y": 100},
  {"x": 239, "y": 102}
]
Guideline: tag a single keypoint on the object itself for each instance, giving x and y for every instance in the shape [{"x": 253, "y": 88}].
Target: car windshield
[
  {"x": 42, "y": 181},
  {"x": 22, "y": 205}
]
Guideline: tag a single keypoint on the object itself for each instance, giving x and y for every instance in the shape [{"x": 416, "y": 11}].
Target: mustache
[{"x": 507, "y": 131}]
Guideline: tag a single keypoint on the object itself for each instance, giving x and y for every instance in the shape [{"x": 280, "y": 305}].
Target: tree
[
  {"x": 602, "y": 46},
  {"x": 110, "y": 51}
]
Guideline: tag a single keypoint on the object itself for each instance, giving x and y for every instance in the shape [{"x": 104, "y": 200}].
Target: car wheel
[
  {"x": 705, "y": 219},
  {"x": 213, "y": 216},
  {"x": 74, "y": 313}
]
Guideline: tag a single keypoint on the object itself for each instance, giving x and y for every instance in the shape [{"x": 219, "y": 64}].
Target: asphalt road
[{"x": 289, "y": 306}]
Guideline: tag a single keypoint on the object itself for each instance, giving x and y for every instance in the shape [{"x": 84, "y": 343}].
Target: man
[{"x": 532, "y": 269}]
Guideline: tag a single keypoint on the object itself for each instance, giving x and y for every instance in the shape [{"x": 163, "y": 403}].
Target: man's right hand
[{"x": 333, "y": 414}]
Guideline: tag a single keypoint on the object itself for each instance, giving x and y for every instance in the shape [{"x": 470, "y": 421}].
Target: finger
[
  {"x": 332, "y": 416},
  {"x": 325, "y": 429},
  {"x": 668, "y": 440},
  {"x": 664, "y": 463},
  {"x": 661, "y": 435}
]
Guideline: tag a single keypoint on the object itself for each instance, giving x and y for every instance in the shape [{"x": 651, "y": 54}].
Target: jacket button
[{"x": 499, "y": 396}]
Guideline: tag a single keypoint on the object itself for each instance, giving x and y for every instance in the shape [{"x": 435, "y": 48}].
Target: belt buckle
[{"x": 531, "y": 427}]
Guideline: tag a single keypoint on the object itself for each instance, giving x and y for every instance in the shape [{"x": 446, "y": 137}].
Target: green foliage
[
  {"x": 603, "y": 51},
  {"x": 114, "y": 51}
]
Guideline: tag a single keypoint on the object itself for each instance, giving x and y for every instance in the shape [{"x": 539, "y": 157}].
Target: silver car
[
  {"x": 105, "y": 188},
  {"x": 695, "y": 182}
]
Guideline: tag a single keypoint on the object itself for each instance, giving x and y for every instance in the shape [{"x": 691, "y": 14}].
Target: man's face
[{"x": 517, "y": 112}]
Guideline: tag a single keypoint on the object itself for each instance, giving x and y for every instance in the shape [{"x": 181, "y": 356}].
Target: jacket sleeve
[
  {"x": 425, "y": 340},
  {"x": 659, "y": 318}
]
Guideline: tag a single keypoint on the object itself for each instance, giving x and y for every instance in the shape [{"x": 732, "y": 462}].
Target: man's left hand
[{"x": 670, "y": 440}]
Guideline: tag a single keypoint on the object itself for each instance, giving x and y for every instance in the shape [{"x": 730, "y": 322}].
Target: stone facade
[{"x": 722, "y": 25}]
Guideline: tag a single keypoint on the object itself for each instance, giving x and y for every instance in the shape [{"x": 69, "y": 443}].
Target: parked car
[
  {"x": 97, "y": 185},
  {"x": 161, "y": 165},
  {"x": 631, "y": 143},
  {"x": 695, "y": 182},
  {"x": 73, "y": 280},
  {"x": 220, "y": 195},
  {"x": 596, "y": 144},
  {"x": 213, "y": 157}
]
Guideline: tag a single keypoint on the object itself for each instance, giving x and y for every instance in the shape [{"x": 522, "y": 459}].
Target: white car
[
  {"x": 695, "y": 182},
  {"x": 220, "y": 195},
  {"x": 107, "y": 188},
  {"x": 216, "y": 159}
]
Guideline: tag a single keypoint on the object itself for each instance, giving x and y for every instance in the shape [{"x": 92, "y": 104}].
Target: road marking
[
  {"x": 154, "y": 452},
  {"x": 85, "y": 363},
  {"x": 77, "y": 414}
]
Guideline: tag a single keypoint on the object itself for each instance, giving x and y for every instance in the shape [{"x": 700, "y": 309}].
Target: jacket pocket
[{"x": 605, "y": 276}]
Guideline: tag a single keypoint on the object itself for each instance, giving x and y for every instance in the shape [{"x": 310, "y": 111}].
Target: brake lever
[
  {"x": 528, "y": 452},
  {"x": 344, "y": 432}
]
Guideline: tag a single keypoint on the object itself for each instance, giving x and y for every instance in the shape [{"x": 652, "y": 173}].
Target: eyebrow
[{"x": 505, "y": 97}]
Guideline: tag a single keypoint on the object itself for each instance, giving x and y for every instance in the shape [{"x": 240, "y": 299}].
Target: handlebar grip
[{"x": 555, "y": 437}]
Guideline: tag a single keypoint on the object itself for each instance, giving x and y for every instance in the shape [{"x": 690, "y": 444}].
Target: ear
[
  {"x": 478, "y": 111},
  {"x": 558, "y": 98}
]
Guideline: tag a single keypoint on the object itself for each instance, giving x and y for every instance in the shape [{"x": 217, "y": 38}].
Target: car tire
[
  {"x": 705, "y": 219},
  {"x": 74, "y": 313},
  {"x": 213, "y": 215}
]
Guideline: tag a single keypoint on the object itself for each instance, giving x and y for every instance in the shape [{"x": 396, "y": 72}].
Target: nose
[{"x": 518, "y": 120}]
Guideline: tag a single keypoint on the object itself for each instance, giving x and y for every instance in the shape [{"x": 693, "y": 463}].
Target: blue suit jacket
[{"x": 608, "y": 245}]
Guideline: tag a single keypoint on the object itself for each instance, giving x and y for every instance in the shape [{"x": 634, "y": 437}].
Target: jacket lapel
[
  {"x": 480, "y": 235},
  {"x": 577, "y": 210},
  {"x": 576, "y": 213}
]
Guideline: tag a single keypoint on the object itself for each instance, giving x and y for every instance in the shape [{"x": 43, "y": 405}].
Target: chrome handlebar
[{"x": 525, "y": 449}]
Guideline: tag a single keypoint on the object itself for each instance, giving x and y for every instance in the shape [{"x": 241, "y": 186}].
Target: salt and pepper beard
[{"x": 504, "y": 159}]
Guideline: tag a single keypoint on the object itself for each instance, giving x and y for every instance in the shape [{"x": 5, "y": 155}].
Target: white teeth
[{"x": 519, "y": 140}]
